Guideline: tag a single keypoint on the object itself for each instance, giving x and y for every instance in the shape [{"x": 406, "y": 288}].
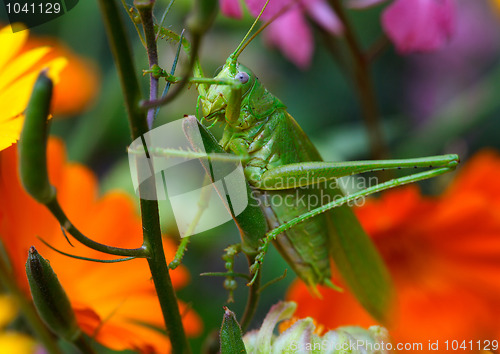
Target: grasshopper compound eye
[{"x": 242, "y": 77}]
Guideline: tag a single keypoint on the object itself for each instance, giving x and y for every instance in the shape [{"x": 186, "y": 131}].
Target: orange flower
[
  {"x": 79, "y": 79},
  {"x": 109, "y": 299},
  {"x": 20, "y": 62},
  {"x": 443, "y": 254}
]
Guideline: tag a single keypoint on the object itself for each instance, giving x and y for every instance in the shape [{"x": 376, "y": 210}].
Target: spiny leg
[
  {"x": 230, "y": 283},
  {"x": 450, "y": 161},
  {"x": 186, "y": 46},
  {"x": 172, "y": 70},
  {"x": 197, "y": 70},
  {"x": 309, "y": 173}
]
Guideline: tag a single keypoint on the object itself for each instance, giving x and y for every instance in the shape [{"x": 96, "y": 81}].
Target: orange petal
[
  {"x": 117, "y": 294},
  {"x": 79, "y": 82}
]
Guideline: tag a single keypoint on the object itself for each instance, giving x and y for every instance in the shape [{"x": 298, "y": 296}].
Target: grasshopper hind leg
[{"x": 305, "y": 247}]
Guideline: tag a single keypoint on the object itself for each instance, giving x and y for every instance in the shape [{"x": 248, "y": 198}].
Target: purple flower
[
  {"x": 419, "y": 25},
  {"x": 435, "y": 79}
]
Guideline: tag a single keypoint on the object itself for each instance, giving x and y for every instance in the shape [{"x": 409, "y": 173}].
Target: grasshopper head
[
  {"x": 219, "y": 95},
  {"x": 234, "y": 75}
]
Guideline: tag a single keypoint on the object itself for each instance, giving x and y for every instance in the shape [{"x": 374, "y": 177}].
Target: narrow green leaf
[{"x": 231, "y": 338}]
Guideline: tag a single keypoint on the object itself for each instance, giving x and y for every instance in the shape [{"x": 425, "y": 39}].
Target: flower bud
[
  {"x": 32, "y": 144},
  {"x": 49, "y": 297},
  {"x": 231, "y": 340}
]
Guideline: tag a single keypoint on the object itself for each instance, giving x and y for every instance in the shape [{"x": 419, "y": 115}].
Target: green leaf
[
  {"x": 360, "y": 264},
  {"x": 231, "y": 338}
]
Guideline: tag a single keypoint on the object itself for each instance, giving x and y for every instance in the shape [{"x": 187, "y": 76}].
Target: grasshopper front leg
[{"x": 159, "y": 72}]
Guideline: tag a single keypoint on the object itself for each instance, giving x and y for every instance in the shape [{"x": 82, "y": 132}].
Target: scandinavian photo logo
[{"x": 205, "y": 190}]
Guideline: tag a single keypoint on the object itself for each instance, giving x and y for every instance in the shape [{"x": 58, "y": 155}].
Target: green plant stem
[
  {"x": 149, "y": 208},
  {"x": 83, "y": 344},
  {"x": 145, "y": 8},
  {"x": 252, "y": 301},
  {"x": 28, "y": 311},
  {"x": 131, "y": 16},
  {"x": 378, "y": 46},
  {"x": 59, "y": 214},
  {"x": 364, "y": 86},
  {"x": 161, "y": 277},
  {"x": 123, "y": 59}
]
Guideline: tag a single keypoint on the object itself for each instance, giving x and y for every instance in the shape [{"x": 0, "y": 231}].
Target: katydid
[{"x": 280, "y": 162}]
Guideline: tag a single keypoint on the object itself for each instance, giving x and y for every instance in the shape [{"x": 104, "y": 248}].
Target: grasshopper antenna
[{"x": 244, "y": 44}]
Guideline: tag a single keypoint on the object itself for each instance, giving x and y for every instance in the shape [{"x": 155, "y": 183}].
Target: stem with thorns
[
  {"x": 252, "y": 301},
  {"x": 145, "y": 8}
]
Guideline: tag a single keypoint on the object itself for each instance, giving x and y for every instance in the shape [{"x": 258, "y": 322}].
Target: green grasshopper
[{"x": 280, "y": 162}]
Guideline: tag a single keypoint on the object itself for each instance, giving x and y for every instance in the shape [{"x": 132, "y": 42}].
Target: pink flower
[
  {"x": 412, "y": 25},
  {"x": 231, "y": 8},
  {"x": 290, "y": 31},
  {"x": 419, "y": 25},
  {"x": 297, "y": 44}
]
